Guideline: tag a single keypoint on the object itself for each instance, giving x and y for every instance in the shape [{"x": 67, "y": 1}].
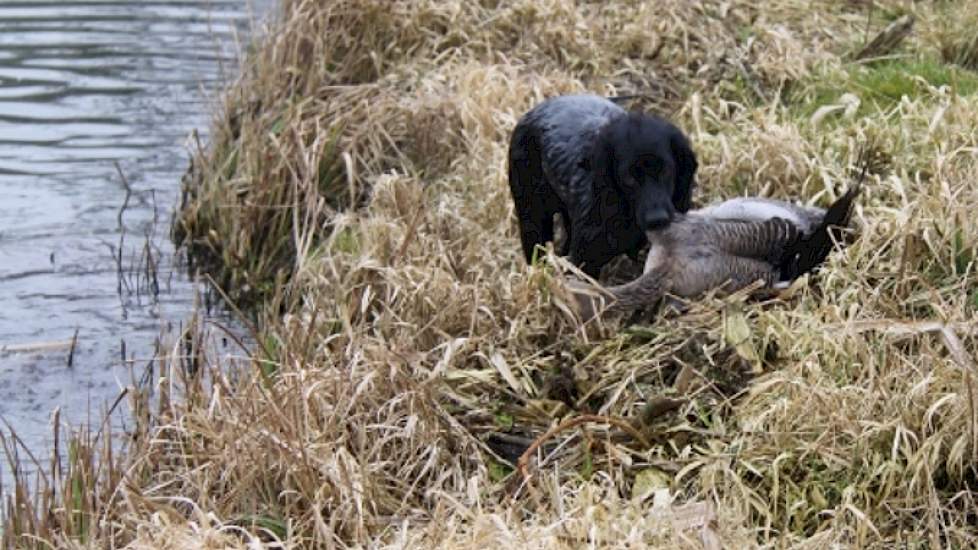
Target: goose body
[
  {"x": 759, "y": 209},
  {"x": 729, "y": 246}
]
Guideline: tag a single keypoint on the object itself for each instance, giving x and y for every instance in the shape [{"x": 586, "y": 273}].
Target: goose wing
[
  {"x": 702, "y": 273},
  {"x": 758, "y": 240},
  {"x": 794, "y": 249},
  {"x": 757, "y": 209}
]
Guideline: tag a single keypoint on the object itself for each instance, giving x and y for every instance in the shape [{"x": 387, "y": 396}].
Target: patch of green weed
[{"x": 881, "y": 85}]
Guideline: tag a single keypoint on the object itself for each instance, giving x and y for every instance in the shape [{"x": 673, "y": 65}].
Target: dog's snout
[{"x": 655, "y": 218}]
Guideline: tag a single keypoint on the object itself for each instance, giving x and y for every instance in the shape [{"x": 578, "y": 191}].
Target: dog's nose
[{"x": 655, "y": 218}]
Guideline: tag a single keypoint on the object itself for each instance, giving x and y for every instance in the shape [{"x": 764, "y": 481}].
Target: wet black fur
[{"x": 609, "y": 173}]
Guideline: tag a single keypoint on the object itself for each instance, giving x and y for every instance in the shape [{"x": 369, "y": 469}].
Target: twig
[
  {"x": 122, "y": 236},
  {"x": 412, "y": 229},
  {"x": 888, "y": 39},
  {"x": 964, "y": 361},
  {"x": 125, "y": 202},
  {"x": 56, "y": 456},
  {"x": 71, "y": 350},
  {"x": 35, "y": 347},
  {"x": 897, "y": 327},
  {"x": 250, "y": 326},
  {"x": 523, "y": 463},
  {"x": 18, "y": 441},
  {"x": 869, "y": 19},
  {"x": 150, "y": 269},
  {"x": 974, "y": 417},
  {"x": 956, "y": 348},
  {"x": 105, "y": 419}
]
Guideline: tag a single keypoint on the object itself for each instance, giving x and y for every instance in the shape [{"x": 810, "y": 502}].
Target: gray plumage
[
  {"x": 729, "y": 246},
  {"x": 805, "y": 218}
]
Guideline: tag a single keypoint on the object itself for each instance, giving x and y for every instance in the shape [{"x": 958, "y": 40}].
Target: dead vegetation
[{"x": 354, "y": 195}]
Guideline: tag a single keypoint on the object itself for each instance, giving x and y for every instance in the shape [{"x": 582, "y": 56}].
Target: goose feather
[{"x": 730, "y": 246}]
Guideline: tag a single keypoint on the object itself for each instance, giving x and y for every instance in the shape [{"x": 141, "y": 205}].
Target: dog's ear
[
  {"x": 685, "y": 159},
  {"x": 601, "y": 163}
]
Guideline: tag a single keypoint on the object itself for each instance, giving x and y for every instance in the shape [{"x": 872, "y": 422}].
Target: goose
[{"x": 728, "y": 247}]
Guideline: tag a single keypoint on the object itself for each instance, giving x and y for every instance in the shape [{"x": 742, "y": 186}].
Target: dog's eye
[
  {"x": 651, "y": 165},
  {"x": 645, "y": 167}
]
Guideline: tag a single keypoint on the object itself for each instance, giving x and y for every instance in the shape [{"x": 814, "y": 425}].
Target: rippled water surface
[{"x": 85, "y": 85}]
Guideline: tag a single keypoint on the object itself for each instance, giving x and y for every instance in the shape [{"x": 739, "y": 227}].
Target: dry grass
[{"x": 355, "y": 196}]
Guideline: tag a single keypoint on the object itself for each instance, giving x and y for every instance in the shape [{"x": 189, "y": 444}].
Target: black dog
[{"x": 610, "y": 174}]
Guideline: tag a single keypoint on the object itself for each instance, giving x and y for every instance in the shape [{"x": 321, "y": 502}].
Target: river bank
[
  {"x": 352, "y": 201},
  {"x": 97, "y": 102}
]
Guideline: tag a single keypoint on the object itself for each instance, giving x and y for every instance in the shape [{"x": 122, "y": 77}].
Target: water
[{"x": 86, "y": 84}]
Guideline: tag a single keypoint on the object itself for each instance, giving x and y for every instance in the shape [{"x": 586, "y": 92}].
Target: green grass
[
  {"x": 881, "y": 85},
  {"x": 345, "y": 241},
  {"x": 889, "y": 81}
]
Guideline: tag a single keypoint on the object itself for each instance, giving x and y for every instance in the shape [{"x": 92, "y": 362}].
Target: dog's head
[{"x": 650, "y": 164}]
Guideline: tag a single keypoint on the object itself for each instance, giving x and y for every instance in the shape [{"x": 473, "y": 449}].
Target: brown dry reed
[{"x": 353, "y": 202}]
